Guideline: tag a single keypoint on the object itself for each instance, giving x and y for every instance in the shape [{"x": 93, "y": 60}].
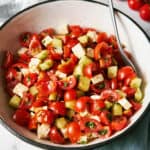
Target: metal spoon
[{"x": 126, "y": 60}]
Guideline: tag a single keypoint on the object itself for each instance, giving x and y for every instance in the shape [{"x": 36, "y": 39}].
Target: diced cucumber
[
  {"x": 70, "y": 113},
  {"x": 78, "y": 70},
  {"x": 70, "y": 104},
  {"x": 53, "y": 96},
  {"x": 80, "y": 93},
  {"x": 138, "y": 95},
  {"x": 57, "y": 43},
  {"x": 42, "y": 55},
  {"x": 112, "y": 72},
  {"x": 85, "y": 61},
  {"x": 136, "y": 82},
  {"x": 33, "y": 90},
  {"x": 84, "y": 83},
  {"x": 121, "y": 93},
  {"x": 61, "y": 123},
  {"x": 108, "y": 104},
  {"x": 83, "y": 39},
  {"x": 15, "y": 101},
  {"x": 47, "y": 64},
  {"x": 117, "y": 109}
]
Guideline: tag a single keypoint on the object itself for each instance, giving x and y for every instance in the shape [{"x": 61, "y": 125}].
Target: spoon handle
[{"x": 126, "y": 60}]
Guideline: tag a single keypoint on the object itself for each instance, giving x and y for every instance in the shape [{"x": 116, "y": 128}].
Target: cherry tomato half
[
  {"x": 73, "y": 131},
  {"x": 70, "y": 95},
  {"x": 135, "y": 4},
  {"x": 145, "y": 12}
]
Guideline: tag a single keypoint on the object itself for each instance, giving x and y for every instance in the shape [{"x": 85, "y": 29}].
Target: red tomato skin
[
  {"x": 75, "y": 30},
  {"x": 25, "y": 39},
  {"x": 70, "y": 95},
  {"x": 32, "y": 124},
  {"x": 45, "y": 32},
  {"x": 128, "y": 79},
  {"x": 113, "y": 84},
  {"x": 58, "y": 108},
  {"x": 135, "y": 4},
  {"x": 8, "y": 60},
  {"x": 129, "y": 91},
  {"x": 21, "y": 117},
  {"x": 104, "y": 117},
  {"x": 55, "y": 136},
  {"x": 30, "y": 79},
  {"x": 73, "y": 131},
  {"x": 145, "y": 12},
  {"x": 119, "y": 123},
  {"x": 81, "y": 104},
  {"x": 136, "y": 106},
  {"x": 102, "y": 36},
  {"x": 109, "y": 132}
]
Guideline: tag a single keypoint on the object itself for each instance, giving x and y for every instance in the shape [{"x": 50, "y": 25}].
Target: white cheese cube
[
  {"x": 60, "y": 74},
  {"x": 97, "y": 78},
  {"x": 43, "y": 131},
  {"x": 37, "y": 109},
  {"x": 58, "y": 50},
  {"x": 83, "y": 139},
  {"x": 78, "y": 50},
  {"x": 64, "y": 132},
  {"x": 19, "y": 89},
  {"x": 90, "y": 52},
  {"x": 95, "y": 97},
  {"x": 63, "y": 29},
  {"x": 95, "y": 117},
  {"x": 92, "y": 35},
  {"x": 22, "y": 50},
  {"x": 47, "y": 40},
  {"x": 33, "y": 65},
  {"x": 125, "y": 103},
  {"x": 24, "y": 71},
  {"x": 83, "y": 114}
]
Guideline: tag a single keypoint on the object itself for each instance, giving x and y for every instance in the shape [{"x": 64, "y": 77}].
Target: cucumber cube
[
  {"x": 33, "y": 90},
  {"x": 61, "y": 123},
  {"x": 42, "y": 55},
  {"x": 47, "y": 64},
  {"x": 138, "y": 95},
  {"x": 83, "y": 39},
  {"x": 15, "y": 101},
  {"x": 84, "y": 83},
  {"x": 136, "y": 82},
  {"x": 117, "y": 110},
  {"x": 112, "y": 72}
]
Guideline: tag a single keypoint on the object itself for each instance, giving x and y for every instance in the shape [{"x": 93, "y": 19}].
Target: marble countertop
[{"x": 7, "y": 140}]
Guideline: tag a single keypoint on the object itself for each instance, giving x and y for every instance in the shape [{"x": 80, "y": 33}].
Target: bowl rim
[{"x": 46, "y": 146}]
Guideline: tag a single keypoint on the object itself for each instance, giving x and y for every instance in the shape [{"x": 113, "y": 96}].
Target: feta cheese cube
[
  {"x": 19, "y": 89},
  {"x": 95, "y": 97},
  {"x": 47, "y": 40},
  {"x": 97, "y": 78},
  {"x": 83, "y": 114},
  {"x": 33, "y": 65},
  {"x": 92, "y": 35},
  {"x": 24, "y": 71},
  {"x": 43, "y": 130},
  {"x": 22, "y": 50},
  {"x": 125, "y": 103},
  {"x": 63, "y": 29},
  {"x": 78, "y": 50},
  {"x": 64, "y": 132},
  {"x": 60, "y": 74}
]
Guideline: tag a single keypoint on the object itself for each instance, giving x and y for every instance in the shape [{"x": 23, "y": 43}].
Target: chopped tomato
[
  {"x": 119, "y": 123},
  {"x": 32, "y": 124},
  {"x": 102, "y": 37},
  {"x": 70, "y": 95},
  {"x": 136, "y": 105},
  {"x": 113, "y": 83},
  {"x": 73, "y": 132},
  {"x": 105, "y": 117},
  {"x": 30, "y": 79},
  {"x": 25, "y": 39},
  {"x": 75, "y": 30},
  {"x": 105, "y": 132},
  {"x": 129, "y": 91},
  {"x": 46, "y": 32}
]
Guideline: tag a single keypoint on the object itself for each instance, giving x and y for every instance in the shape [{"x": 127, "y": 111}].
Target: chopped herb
[
  {"x": 103, "y": 132},
  {"x": 29, "y": 79},
  {"x": 91, "y": 125},
  {"x": 109, "y": 116},
  {"x": 65, "y": 84},
  {"x": 101, "y": 86}
]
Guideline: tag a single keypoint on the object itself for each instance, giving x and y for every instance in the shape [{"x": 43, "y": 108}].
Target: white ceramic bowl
[{"x": 84, "y": 13}]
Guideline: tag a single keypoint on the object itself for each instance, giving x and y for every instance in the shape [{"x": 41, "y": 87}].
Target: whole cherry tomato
[
  {"x": 73, "y": 131},
  {"x": 145, "y": 12},
  {"x": 70, "y": 95},
  {"x": 21, "y": 117},
  {"x": 119, "y": 123},
  {"x": 135, "y": 4},
  {"x": 55, "y": 136}
]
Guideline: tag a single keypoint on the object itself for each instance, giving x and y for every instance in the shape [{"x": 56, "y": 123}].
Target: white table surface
[{"x": 9, "y": 141}]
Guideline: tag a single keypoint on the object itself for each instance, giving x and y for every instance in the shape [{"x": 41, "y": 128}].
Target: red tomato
[
  {"x": 46, "y": 32},
  {"x": 145, "y": 12},
  {"x": 70, "y": 95},
  {"x": 58, "y": 108},
  {"x": 11, "y": 74},
  {"x": 105, "y": 62},
  {"x": 128, "y": 113},
  {"x": 30, "y": 79},
  {"x": 89, "y": 125},
  {"x": 38, "y": 103},
  {"x": 73, "y": 131},
  {"x": 129, "y": 91},
  {"x": 25, "y": 39},
  {"x": 75, "y": 30},
  {"x": 113, "y": 42},
  {"x": 21, "y": 117},
  {"x": 96, "y": 106},
  {"x": 103, "y": 46},
  {"x": 45, "y": 116},
  {"x": 55, "y": 136},
  {"x": 68, "y": 66},
  {"x": 67, "y": 51},
  {"x": 125, "y": 72},
  {"x": 82, "y": 104},
  {"x": 32, "y": 124},
  {"x": 105, "y": 117},
  {"x": 129, "y": 78},
  {"x": 136, "y": 106},
  {"x": 35, "y": 45},
  {"x": 105, "y": 132},
  {"x": 109, "y": 94},
  {"x": 68, "y": 83},
  {"x": 19, "y": 66},
  {"x": 102, "y": 36},
  {"x": 113, "y": 83},
  {"x": 88, "y": 69},
  {"x": 135, "y": 4},
  {"x": 8, "y": 60},
  {"x": 119, "y": 123},
  {"x": 43, "y": 76},
  {"x": 24, "y": 57}
]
